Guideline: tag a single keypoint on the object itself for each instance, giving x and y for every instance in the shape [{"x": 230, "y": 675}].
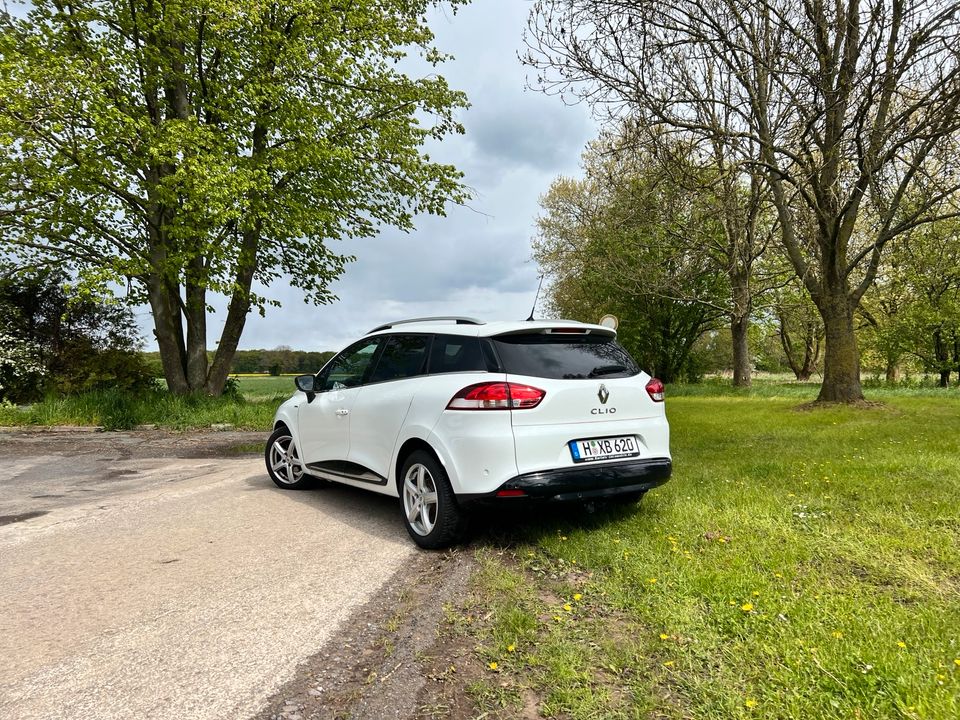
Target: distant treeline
[{"x": 279, "y": 361}]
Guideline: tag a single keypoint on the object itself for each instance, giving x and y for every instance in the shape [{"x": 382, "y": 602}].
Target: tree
[
  {"x": 73, "y": 343},
  {"x": 197, "y": 146},
  {"x": 849, "y": 105},
  {"x": 617, "y": 242},
  {"x": 799, "y": 329},
  {"x": 927, "y": 322}
]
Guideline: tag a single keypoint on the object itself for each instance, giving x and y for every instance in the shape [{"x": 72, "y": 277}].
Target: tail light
[
  {"x": 496, "y": 396},
  {"x": 655, "y": 390}
]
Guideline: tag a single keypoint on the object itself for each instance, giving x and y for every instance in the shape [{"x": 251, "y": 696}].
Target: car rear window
[{"x": 571, "y": 357}]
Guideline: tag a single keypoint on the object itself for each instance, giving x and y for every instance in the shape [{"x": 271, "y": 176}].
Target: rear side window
[
  {"x": 404, "y": 356},
  {"x": 456, "y": 353},
  {"x": 571, "y": 357}
]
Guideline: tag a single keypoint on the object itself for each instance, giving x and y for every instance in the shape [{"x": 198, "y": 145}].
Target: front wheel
[
  {"x": 283, "y": 461},
  {"x": 430, "y": 510}
]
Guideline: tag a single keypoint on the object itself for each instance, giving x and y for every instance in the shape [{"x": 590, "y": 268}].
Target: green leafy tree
[
  {"x": 196, "y": 146},
  {"x": 920, "y": 315},
  {"x": 78, "y": 342},
  {"x": 618, "y": 241},
  {"x": 850, "y": 108}
]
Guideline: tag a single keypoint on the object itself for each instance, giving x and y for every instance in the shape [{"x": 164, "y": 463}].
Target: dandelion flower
[
  {"x": 901, "y": 644},
  {"x": 747, "y": 607},
  {"x": 668, "y": 663},
  {"x": 750, "y": 703},
  {"x": 956, "y": 661},
  {"x": 493, "y": 666},
  {"x": 837, "y": 634},
  {"x": 756, "y": 594},
  {"x": 651, "y": 580},
  {"x": 664, "y": 636},
  {"x": 511, "y": 648},
  {"x": 568, "y": 607},
  {"x": 577, "y": 596}
]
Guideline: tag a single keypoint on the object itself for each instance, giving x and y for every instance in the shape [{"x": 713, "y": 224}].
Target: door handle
[{"x": 343, "y": 411}]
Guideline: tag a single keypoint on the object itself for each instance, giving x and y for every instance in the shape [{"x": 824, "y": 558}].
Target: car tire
[
  {"x": 283, "y": 462},
  {"x": 430, "y": 510}
]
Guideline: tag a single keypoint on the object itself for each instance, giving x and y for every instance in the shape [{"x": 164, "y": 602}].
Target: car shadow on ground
[
  {"x": 507, "y": 526},
  {"x": 501, "y": 526},
  {"x": 376, "y": 514}
]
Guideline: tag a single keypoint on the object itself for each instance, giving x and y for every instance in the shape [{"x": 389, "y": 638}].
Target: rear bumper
[{"x": 582, "y": 482}]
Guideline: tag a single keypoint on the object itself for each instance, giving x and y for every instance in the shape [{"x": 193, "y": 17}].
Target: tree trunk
[
  {"x": 893, "y": 372},
  {"x": 740, "y": 327},
  {"x": 168, "y": 331},
  {"x": 196, "y": 317},
  {"x": 811, "y": 351},
  {"x": 236, "y": 313},
  {"x": 841, "y": 360},
  {"x": 940, "y": 351},
  {"x": 739, "y": 330}
]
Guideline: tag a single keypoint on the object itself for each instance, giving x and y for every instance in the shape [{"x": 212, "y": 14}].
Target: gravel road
[{"x": 142, "y": 576}]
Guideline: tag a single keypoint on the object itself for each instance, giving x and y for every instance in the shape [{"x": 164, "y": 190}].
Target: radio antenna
[{"x": 536, "y": 297}]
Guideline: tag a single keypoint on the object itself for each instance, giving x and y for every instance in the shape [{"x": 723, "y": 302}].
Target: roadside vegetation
[
  {"x": 249, "y": 404},
  {"x": 799, "y": 564}
]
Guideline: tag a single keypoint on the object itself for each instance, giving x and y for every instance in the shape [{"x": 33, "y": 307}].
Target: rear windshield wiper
[{"x": 606, "y": 370}]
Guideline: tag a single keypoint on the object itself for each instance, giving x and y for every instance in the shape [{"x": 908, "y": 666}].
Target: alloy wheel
[
  {"x": 420, "y": 499},
  {"x": 285, "y": 461}
]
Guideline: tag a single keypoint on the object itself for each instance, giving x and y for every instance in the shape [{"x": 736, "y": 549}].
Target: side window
[
  {"x": 456, "y": 353},
  {"x": 351, "y": 366},
  {"x": 403, "y": 356}
]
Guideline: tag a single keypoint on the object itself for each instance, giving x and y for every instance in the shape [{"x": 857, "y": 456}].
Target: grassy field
[
  {"x": 800, "y": 564},
  {"x": 252, "y": 408}
]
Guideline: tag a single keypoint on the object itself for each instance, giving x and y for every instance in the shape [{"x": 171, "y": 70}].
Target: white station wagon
[{"x": 449, "y": 412}]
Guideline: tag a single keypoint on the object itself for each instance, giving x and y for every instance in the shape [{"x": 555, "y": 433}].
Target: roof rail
[{"x": 454, "y": 318}]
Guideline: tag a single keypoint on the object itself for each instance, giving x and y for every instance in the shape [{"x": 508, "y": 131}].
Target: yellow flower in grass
[
  {"x": 568, "y": 607},
  {"x": 511, "y": 648},
  {"x": 651, "y": 580},
  {"x": 493, "y": 666},
  {"x": 747, "y": 607},
  {"x": 901, "y": 644},
  {"x": 750, "y": 703},
  {"x": 956, "y": 661},
  {"x": 577, "y": 596},
  {"x": 837, "y": 634},
  {"x": 668, "y": 663},
  {"x": 664, "y": 636}
]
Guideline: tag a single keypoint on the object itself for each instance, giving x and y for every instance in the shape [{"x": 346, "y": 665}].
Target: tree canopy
[
  {"x": 851, "y": 110},
  {"x": 197, "y": 146}
]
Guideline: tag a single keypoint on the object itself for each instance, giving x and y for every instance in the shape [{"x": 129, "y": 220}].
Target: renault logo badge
[{"x": 603, "y": 394}]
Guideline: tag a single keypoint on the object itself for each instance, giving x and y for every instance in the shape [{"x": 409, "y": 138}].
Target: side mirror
[{"x": 306, "y": 383}]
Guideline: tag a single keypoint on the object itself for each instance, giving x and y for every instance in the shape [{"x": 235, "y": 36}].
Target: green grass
[
  {"x": 253, "y": 409},
  {"x": 800, "y": 564},
  {"x": 266, "y": 387}
]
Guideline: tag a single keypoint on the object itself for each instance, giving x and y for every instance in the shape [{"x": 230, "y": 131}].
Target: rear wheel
[
  {"x": 283, "y": 461},
  {"x": 430, "y": 510}
]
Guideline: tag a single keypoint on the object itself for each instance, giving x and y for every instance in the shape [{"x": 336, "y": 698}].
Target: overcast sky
[{"x": 476, "y": 261}]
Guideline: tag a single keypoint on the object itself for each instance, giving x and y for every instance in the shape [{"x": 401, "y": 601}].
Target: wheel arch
[{"x": 409, "y": 446}]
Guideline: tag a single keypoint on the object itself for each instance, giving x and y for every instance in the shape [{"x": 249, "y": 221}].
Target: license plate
[{"x": 606, "y": 448}]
